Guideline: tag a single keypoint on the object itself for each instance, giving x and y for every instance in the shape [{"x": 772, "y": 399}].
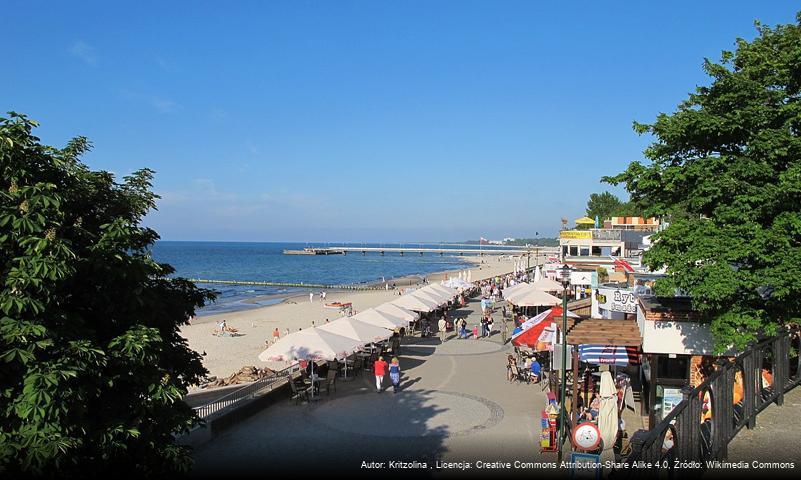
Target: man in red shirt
[{"x": 380, "y": 369}]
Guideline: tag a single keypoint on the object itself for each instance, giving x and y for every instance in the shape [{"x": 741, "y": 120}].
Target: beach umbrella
[
  {"x": 353, "y": 327},
  {"x": 395, "y": 311},
  {"x": 509, "y": 292},
  {"x": 607, "y": 416},
  {"x": 361, "y": 331},
  {"x": 381, "y": 319},
  {"x": 585, "y": 221},
  {"x": 411, "y": 302},
  {"x": 554, "y": 313},
  {"x": 433, "y": 296},
  {"x": 469, "y": 275},
  {"x": 448, "y": 292},
  {"x": 310, "y": 344},
  {"x": 534, "y": 298},
  {"x": 547, "y": 285},
  {"x": 609, "y": 355}
]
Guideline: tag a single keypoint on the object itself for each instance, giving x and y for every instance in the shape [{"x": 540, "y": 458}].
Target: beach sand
[{"x": 226, "y": 355}]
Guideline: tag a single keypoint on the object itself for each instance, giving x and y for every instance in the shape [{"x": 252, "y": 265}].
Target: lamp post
[{"x": 565, "y": 279}]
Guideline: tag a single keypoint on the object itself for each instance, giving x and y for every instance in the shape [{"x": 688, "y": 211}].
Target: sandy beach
[{"x": 226, "y": 355}]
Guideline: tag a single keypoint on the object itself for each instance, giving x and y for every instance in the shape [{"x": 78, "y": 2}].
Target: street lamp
[{"x": 563, "y": 418}]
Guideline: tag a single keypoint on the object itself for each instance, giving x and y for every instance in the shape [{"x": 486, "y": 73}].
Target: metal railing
[
  {"x": 248, "y": 391},
  {"x": 700, "y": 427}
]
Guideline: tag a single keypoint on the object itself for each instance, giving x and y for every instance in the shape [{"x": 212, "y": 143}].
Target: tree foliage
[
  {"x": 603, "y": 205},
  {"x": 606, "y": 205},
  {"x": 92, "y": 366},
  {"x": 725, "y": 170}
]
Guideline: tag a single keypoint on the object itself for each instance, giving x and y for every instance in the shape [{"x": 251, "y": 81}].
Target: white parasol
[
  {"x": 382, "y": 319},
  {"x": 395, "y": 311},
  {"x": 607, "y": 416}
]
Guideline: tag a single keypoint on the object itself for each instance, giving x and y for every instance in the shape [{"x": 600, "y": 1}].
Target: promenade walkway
[
  {"x": 455, "y": 405},
  {"x": 776, "y": 437}
]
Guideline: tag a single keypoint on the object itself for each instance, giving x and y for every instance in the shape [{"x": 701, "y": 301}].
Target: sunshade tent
[
  {"x": 538, "y": 337},
  {"x": 547, "y": 285},
  {"x": 310, "y": 344},
  {"x": 356, "y": 329},
  {"x": 509, "y": 292},
  {"x": 449, "y": 292},
  {"x": 399, "y": 312},
  {"x": 534, "y": 298},
  {"x": 607, "y": 416},
  {"x": 380, "y": 319},
  {"x": 440, "y": 294},
  {"x": 435, "y": 297},
  {"x": 585, "y": 221},
  {"x": 417, "y": 304},
  {"x": 609, "y": 354}
]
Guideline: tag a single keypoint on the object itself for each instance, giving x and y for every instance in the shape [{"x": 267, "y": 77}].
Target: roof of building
[{"x": 603, "y": 331}]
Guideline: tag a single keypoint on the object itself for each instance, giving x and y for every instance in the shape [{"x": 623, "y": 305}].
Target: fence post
[
  {"x": 689, "y": 424},
  {"x": 749, "y": 389},
  {"x": 781, "y": 366}
]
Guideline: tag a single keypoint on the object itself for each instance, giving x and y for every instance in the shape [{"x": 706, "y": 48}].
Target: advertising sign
[
  {"x": 671, "y": 397},
  {"x": 581, "y": 278},
  {"x": 576, "y": 234},
  {"x": 616, "y": 300}
]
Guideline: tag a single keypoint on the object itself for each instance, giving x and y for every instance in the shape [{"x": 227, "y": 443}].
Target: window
[
  {"x": 673, "y": 368},
  {"x": 573, "y": 251},
  {"x": 585, "y": 251}
]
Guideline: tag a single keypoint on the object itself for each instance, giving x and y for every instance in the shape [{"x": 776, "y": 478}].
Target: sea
[{"x": 247, "y": 261}]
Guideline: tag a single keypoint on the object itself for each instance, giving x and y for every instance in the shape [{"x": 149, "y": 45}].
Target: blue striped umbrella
[{"x": 609, "y": 355}]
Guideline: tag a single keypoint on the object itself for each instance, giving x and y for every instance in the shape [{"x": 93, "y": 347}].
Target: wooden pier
[{"x": 315, "y": 251}]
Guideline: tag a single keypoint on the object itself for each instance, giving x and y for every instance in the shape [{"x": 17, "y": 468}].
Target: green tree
[
  {"x": 92, "y": 366},
  {"x": 725, "y": 170},
  {"x": 604, "y": 205}
]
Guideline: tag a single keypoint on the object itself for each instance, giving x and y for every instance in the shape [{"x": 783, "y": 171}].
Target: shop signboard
[
  {"x": 576, "y": 234},
  {"x": 616, "y": 300}
]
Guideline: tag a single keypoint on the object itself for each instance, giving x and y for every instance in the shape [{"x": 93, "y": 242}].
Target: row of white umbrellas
[{"x": 347, "y": 335}]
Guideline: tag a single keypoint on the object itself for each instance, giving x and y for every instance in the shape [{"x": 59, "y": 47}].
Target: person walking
[
  {"x": 504, "y": 330},
  {"x": 311, "y": 297},
  {"x": 380, "y": 369},
  {"x": 276, "y": 334},
  {"x": 394, "y": 374},
  {"x": 443, "y": 325}
]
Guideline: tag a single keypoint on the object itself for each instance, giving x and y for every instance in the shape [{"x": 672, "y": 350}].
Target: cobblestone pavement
[{"x": 455, "y": 405}]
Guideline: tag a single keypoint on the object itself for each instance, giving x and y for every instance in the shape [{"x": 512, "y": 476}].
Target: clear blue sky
[{"x": 362, "y": 121}]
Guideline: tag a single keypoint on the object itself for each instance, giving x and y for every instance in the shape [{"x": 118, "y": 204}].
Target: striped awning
[{"x": 609, "y": 355}]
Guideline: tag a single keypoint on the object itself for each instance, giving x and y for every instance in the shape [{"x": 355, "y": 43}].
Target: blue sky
[{"x": 362, "y": 121}]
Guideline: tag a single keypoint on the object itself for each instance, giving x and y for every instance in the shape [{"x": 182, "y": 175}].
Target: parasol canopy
[
  {"x": 310, "y": 344},
  {"x": 398, "y": 312},
  {"x": 547, "y": 285},
  {"x": 411, "y": 302},
  {"x": 352, "y": 327},
  {"x": 381, "y": 319},
  {"x": 533, "y": 298},
  {"x": 585, "y": 221}
]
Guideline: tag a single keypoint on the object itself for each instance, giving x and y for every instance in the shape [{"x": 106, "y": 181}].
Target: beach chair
[
  {"x": 516, "y": 373},
  {"x": 298, "y": 393}
]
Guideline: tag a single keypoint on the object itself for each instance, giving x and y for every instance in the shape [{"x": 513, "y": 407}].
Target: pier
[{"x": 421, "y": 251}]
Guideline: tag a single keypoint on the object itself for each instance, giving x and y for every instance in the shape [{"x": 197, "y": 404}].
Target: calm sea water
[{"x": 266, "y": 262}]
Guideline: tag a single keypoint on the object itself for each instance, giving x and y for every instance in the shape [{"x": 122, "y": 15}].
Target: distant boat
[{"x": 338, "y": 305}]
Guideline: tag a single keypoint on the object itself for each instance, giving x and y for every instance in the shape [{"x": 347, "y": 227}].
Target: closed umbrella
[
  {"x": 537, "y": 274},
  {"x": 607, "y": 416}
]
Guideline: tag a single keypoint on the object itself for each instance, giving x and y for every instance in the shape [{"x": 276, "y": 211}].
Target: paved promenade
[{"x": 455, "y": 405}]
